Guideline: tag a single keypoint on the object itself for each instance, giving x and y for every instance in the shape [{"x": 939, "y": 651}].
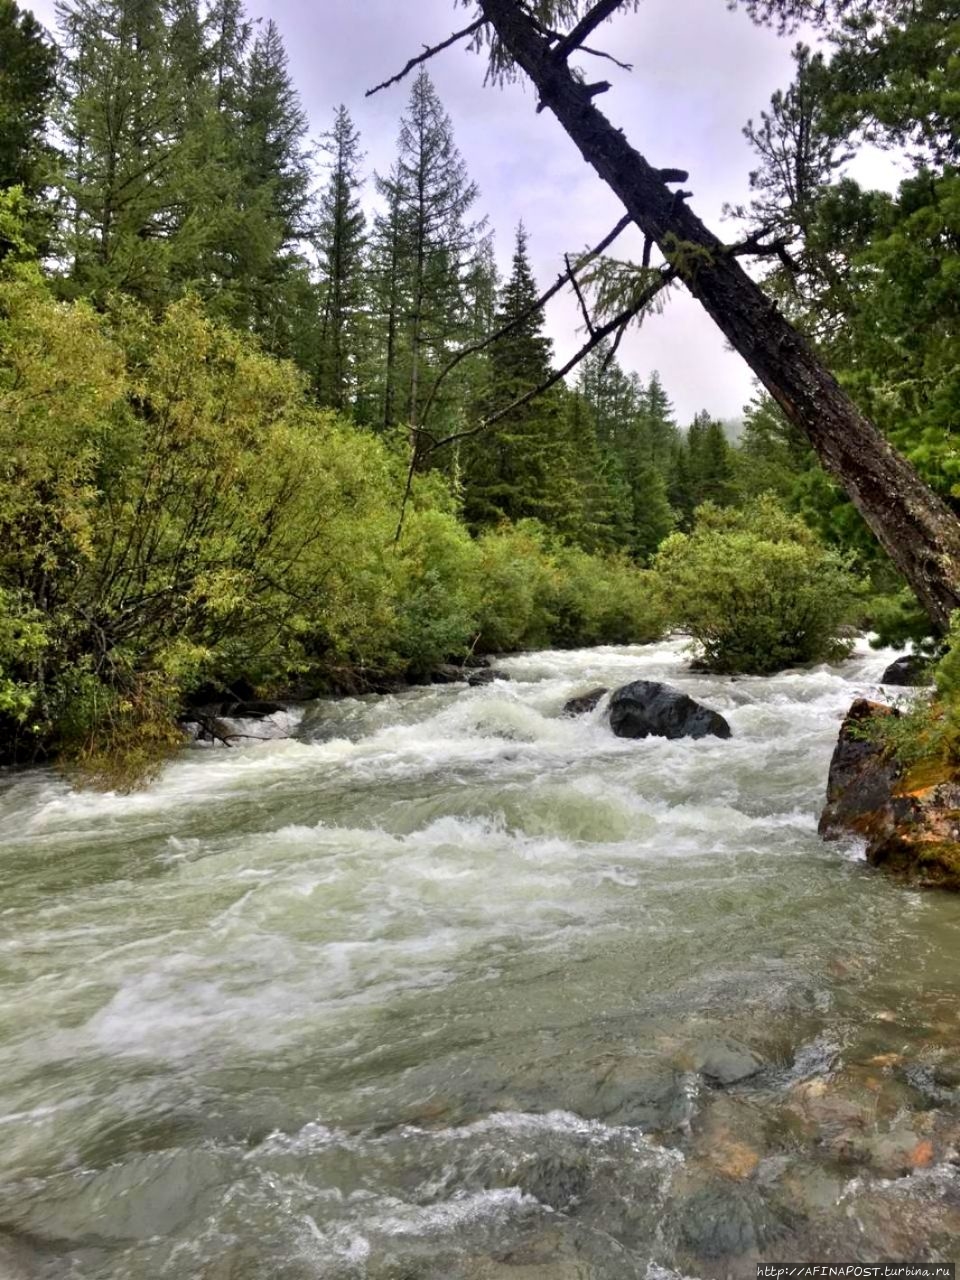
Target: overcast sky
[{"x": 699, "y": 73}]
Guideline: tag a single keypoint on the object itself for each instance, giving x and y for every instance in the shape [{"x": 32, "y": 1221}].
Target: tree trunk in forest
[{"x": 915, "y": 527}]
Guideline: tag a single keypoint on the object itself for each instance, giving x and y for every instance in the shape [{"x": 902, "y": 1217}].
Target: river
[{"x": 450, "y": 987}]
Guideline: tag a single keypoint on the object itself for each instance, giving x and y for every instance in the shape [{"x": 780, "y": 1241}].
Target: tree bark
[{"x": 915, "y": 527}]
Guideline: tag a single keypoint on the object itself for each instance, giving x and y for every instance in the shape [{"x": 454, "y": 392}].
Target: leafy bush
[
  {"x": 603, "y": 599},
  {"x": 438, "y": 591},
  {"x": 926, "y": 728},
  {"x": 755, "y": 590}
]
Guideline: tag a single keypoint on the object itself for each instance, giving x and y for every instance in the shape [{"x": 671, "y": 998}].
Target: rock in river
[
  {"x": 909, "y": 670},
  {"x": 910, "y": 818},
  {"x": 647, "y": 707},
  {"x": 584, "y": 702}
]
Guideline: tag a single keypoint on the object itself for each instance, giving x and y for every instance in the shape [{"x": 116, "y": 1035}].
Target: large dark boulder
[
  {"x": 909, "y": 818},
  {"x": 585, "y": 702},
  {"x": 910, "y": 670},
  {"x": 646, "y": 708}
]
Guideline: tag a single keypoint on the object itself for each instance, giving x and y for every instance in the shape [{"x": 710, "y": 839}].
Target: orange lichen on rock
[{"x": 910, "y": 819}]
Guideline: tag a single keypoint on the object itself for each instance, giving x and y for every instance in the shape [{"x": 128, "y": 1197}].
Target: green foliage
[
  {"x": 755, "y": 590},
  {"x": 537, "y": 591},
  {"x": 517, "y": 578},
  {"x": 175, "y": 511},
  {"x": 23, "y": 640},
  {"x": 28, "y": 60},
  {"x": 438, "y": 593},
  {"x": 927, "y": 729},
  {"x": 898, "y": 619},
  {"x": 609, "y": 601}
]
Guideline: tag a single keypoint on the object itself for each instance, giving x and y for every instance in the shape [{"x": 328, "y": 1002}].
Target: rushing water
[{"x": 449, "y": 987}]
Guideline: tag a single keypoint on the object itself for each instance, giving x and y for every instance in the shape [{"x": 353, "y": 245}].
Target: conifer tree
[
  {"x": 388, "y": 277},
  {"x": 661, "y": 429},
  {"x": 27, "y": 61},
  {"x": 120, "y": 125},
  {"x": 680, "y": 491},
  {"x": 652, "y": 515},
  {"x": 274, "y": 194},
  {"x": 424, "y": 249},
  {"x": 711, "y": 469},
  {"x": 524, "y": 467},
  {"x": 340, "y": 245}
]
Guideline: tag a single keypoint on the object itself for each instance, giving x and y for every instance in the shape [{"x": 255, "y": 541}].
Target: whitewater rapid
[{"x": 424, "y": 991}]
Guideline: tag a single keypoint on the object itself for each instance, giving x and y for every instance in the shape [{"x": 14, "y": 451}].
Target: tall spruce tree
[
  {"x": 340, "y": 243},
  {"x": 27, "y": 77},
  {"x": 119, "y": 121},
  {"x": 660, "y": 427},
  {"x": 425, "y": 246},
  {"x": 274, "y": 194},
  {"x": 523, "y": 467}
]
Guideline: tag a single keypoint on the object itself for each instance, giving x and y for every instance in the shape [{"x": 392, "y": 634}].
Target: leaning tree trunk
[{"x": 915, "y": 527}]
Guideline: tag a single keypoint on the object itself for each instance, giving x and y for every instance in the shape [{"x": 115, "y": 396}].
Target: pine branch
[{"x": 428, "y": 52}]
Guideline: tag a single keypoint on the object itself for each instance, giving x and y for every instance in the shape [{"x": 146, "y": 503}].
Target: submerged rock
[
  {"x": 486, "y": 675},
  {"x": 584, "y": 702},
  {"x": 909, "y": 670},
  {"x": 723, "y": 1062},
  {"x": 646, "y": 707},
  {"x": 723, "y": 1221},
  {"x": 446, "y": 673},
  {"x": 910, "y": 819}
]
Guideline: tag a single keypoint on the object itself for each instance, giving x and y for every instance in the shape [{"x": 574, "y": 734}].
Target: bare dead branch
[
  {"x": 614, "y": 347},
  {"x": 621, "y": 320},
  {"x": 474, "y": 348},
  {"x": 554, "y": 36},
  {"x": 753, "y": 248},
  {"x": 601, "y": 53},
  {"x": 428, "y": 52},
  {"x": 589, "y": 22},
  {"x": 408, "y": 488},
  {"x": 584, "y": 310}
]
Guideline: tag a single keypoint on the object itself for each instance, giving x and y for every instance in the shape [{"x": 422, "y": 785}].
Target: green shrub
[
  {"x": 516, "y": 577},
  {"x": 927, "y": 726},
  {"x": 755, "y": 590},
  {"x": 603, "y": 600},
  {"x": 438, "y": 593}
]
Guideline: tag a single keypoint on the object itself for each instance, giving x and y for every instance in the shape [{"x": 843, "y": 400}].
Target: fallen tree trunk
[{"x": 915, "y": 527}]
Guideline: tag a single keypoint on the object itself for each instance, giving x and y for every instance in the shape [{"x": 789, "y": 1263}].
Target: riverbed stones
[
  {"x": 585, "y": 702},
  {"x": 722, "y": 1062},
  {"x": 647, "y": 708},
  {"x": 909, "y": 818},
  {"x": 724, "y": 1220}
]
